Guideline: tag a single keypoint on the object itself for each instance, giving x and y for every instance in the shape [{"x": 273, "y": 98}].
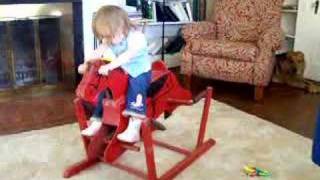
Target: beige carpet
[{"x": 241, "y": 139}]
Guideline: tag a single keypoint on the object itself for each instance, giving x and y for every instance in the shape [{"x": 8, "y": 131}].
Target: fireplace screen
[
  {"x": 23, "y": 52},
  {"x": 30, "y": 52},
  {"x": 5, "y": 80},
  {"x": 50, "y": 50}
]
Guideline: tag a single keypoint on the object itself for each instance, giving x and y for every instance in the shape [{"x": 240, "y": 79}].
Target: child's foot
[
  {"x": 93, "y": 128},
  {"x": 132, "y": 133}
]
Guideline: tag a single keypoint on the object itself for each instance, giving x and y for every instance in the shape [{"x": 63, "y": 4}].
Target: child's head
[{"x": 111, "y": 23}]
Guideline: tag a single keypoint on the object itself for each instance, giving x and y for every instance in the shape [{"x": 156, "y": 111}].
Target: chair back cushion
[
  {"x": 243, "y": 51},
  {"x": 244, "y": 20}
]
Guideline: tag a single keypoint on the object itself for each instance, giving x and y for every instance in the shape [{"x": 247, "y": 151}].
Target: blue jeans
[
  {"x": 136, "y": 97},
  {"x": 99, "y": 109}
]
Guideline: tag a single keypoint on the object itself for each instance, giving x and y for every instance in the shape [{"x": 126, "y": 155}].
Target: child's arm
[
  {"x": 136, "y": 42},
  {"x": 122, "y": 59},
  {"x": 94, "y": 56}
]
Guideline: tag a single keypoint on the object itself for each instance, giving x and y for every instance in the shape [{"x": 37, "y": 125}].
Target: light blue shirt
[{"x": 139, "y": 64}]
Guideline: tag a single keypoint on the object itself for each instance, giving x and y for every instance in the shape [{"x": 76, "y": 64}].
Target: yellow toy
[
  {"x": 254, "y": 171},
  {"x": 108, "y": 55}
]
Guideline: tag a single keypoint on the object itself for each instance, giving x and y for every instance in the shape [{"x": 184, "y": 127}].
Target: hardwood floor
[
  {"x": 285, "y": 106},
  {"x": 35, "y": 111},
  {"x": 288, "y": 107}
]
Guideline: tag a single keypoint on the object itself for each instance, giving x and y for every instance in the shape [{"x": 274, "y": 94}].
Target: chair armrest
[
  {"x": 271, "y": 39},
  {"x": 197, "y": 29},
  {"x": 268, "y": 43}
]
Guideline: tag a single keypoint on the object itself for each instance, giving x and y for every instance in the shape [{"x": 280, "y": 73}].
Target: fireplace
[
  {"x": 30, "y": 52},
  {"x": 41, "y": 45},
  {"x": 38, "y": 48}
]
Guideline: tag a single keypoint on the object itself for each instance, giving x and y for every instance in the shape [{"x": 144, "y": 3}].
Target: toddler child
[{"x": 128, "y": 49}]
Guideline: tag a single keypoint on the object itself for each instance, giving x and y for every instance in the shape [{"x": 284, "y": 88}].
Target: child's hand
[
  {"x": 108, "y": 55},
  {"x": 104, "y": 69},
  {"x": 82, "y": 68}
]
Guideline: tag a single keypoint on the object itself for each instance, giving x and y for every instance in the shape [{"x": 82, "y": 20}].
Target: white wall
[{"x": 88, "y": 8}]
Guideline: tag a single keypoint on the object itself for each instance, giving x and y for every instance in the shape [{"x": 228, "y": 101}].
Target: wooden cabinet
[
  {"x": 288, "y": 23},
  {"x": 153, "y": 32},
  {"x": 301, "y": 25}
]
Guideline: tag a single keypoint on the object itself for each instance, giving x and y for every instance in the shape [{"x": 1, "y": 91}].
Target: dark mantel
[{"x": 77, "y": 25}]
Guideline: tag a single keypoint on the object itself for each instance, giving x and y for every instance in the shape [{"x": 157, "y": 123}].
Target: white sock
[
  {"x": 93, "y": 127},
  {"x": 94, "y": 119},
  {"x": 132, "y": 133}
]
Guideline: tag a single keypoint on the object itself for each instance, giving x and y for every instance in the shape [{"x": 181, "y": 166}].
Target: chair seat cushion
[{"x": 244, "y": 51}]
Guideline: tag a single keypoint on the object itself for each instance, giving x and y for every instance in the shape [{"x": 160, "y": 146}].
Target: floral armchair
[{"x": 238, "y": 45}]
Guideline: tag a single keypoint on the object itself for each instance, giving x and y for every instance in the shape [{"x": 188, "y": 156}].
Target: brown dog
[{"x": 290, "y": 71}]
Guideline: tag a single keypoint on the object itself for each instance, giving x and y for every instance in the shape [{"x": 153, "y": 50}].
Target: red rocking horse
[{"x": 164, "y": 95}]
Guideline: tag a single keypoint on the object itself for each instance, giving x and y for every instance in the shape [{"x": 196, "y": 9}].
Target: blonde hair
[{"x": 108, "y": 21}]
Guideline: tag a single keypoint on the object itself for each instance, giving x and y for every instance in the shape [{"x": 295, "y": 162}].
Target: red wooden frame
[
  {"x": 201, "y": 147},
  {"x": 114, "y": 123}
]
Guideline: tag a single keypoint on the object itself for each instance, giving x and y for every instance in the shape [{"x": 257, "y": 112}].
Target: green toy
[{"x": 254, "y": 171}]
